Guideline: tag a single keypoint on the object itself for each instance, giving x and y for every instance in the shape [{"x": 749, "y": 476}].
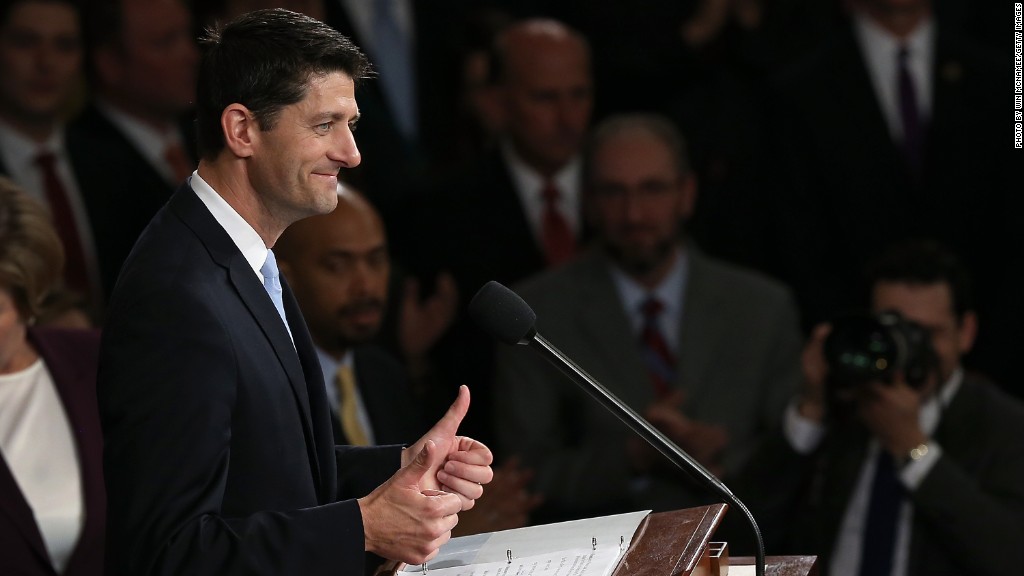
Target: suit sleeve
[
  {"x": 976, "y": 518},
  {"x": 167, "y": 390}
]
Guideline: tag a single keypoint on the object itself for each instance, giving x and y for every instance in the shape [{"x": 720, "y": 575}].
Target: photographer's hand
[
  {"x": 891, "y": 411},
  {"x": 811, "y": 403}
]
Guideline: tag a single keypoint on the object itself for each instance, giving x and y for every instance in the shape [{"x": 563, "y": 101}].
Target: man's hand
[
  {"x": 705, "y": 442},
  {"x": 403, "y": 520},
  {"x": 422, "y": 322},
  {"x": 466, "y": 465},
  {"x": 506, "y": 504},
  {"x": 891, "y": 412},
  {"x": 815, "y": 369}
]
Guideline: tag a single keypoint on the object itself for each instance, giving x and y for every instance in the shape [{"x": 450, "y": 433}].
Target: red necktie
[
  {"x": 559, "y": 242},
  {"x": 180, "y": 165},
  {"x": 76, "y": 274},
  {"x": 661, "y": 363}
]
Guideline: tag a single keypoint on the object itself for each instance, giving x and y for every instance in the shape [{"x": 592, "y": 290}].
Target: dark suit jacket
[
  {"x": 388, "y": 398},
  {"x": 70, "y": 356},
  {"x": 845, "y": 192},
  {"x": 970, "y": 504},
  {"x": 218, "y": 454},
  {"x": 121, "y": 189}
]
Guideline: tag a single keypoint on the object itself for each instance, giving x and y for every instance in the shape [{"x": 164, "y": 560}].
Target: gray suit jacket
[{"x": 738, "y": 363}]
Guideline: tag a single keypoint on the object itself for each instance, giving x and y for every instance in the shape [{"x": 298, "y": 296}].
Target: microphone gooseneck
[{"x": 508, "y": 318}]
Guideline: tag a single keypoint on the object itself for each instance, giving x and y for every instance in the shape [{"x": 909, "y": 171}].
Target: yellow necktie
[{"x": 347, "y": 411}]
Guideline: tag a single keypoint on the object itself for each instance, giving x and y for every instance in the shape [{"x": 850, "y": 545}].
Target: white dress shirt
[
  {"x": 529, "y": 186},
  {"x": 19, "y": 155},
  {"x": 880, "y": 49},
  {"x": 669, "y": 292},
  {"x": 36, "y": 443}
]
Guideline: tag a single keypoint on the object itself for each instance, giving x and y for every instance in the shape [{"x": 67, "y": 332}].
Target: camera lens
[{"x": 861, "y": 348}]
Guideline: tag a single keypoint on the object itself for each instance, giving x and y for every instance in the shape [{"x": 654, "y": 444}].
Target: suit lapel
[
  {"x": 14, "y": 506},
  {"x": 74, "y": 380},
  {"x": 610, "y": 332},
  {"x": 697, "y": 325},
  {"x": 224, "y": 252}
]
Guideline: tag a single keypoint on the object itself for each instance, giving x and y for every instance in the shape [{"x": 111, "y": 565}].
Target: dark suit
[
  {"x": 968, "y": 506},
  {"x": 219, "y": 455},
  {"x": 70, "y": 357},
  {"x": 387, "y": 397},
  {"x": 738, "y": 364},
  {"x": 121, "y": 188}
]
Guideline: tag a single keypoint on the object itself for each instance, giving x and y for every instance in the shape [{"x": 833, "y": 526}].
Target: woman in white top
[{"x": 52, "y": 501}]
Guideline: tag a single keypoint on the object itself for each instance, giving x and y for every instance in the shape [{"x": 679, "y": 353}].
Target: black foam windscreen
[{"x": 502, "y": 313}]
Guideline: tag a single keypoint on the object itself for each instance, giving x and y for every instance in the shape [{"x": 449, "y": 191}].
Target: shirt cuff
[
  {"x": 914, "y": 472},
  {"x": 803, "y": 434}
]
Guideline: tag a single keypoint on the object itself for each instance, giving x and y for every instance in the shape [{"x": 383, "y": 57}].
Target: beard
[{"x": 641, "y": 261}]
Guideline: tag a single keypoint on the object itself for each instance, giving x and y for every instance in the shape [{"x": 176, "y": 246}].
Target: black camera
[{"x": 865, "y": 347}]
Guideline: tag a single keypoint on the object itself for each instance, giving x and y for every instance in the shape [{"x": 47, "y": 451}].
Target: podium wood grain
[{"x": 672, "y": 543}]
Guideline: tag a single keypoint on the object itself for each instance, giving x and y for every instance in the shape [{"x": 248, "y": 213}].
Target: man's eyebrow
[{"x": 334, "y": 116}]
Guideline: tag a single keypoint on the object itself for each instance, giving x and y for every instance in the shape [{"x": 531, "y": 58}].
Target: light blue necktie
[
  {"x": 394, "y": 63},
  {"x": 272, "y": 283}
]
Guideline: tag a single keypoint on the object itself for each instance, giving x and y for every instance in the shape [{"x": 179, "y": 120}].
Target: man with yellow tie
[{"x": 338, "y": 267}]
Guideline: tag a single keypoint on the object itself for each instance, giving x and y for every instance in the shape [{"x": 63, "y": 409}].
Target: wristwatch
[{"x": 915, "y": 454}]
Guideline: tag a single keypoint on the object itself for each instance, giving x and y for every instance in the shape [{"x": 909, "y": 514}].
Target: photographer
[{"x": 896, "y": 475}]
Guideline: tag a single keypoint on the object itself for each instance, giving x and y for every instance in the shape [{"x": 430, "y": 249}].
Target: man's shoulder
[
  {"x": 739, "y": 282},
  {"x": 563, "y": 283}
]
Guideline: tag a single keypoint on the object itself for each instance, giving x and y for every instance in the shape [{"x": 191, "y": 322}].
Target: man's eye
[{"x": 323, "y": 128}]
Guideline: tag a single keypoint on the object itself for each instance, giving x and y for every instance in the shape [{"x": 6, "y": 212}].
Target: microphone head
[{"x": 503, "y": 314}]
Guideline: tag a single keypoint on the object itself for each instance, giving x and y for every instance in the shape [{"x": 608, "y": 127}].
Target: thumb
[
  {"x": 413, "y": 473},
  {"x": 449, "y": 423}
]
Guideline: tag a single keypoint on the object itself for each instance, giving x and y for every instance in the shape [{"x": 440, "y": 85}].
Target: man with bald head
[
  {"x": 338, "y": 267},
  {"x": 520, "y": 201}
]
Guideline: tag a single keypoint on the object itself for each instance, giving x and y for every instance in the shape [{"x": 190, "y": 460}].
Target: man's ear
[
  {"x": 240, "y": 130},
  {"x": 689, "y": 197}
]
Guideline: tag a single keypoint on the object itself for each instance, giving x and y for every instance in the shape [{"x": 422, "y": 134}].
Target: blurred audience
[
  {"x": 338, "y": 266},
  {"x": 888, "y": 131},
  {"x": 52, "y": 499},
  {"x": 708, "y": 352},
  {"x": 142, "y": 72},
  {"x": 898, "y": 471},
  {"x": 515, "y": 211},
  {"x": 40, "y": 70}
]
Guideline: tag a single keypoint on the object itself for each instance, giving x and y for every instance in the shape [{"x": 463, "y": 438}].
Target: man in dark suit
[
  {"x": 142, "y": 67},
  {"x": 893, "y": 130},
  {"x": 892, "y": 475},
  {"x": 218, "y": 450},
  {"x": 707, "y": 351},
  {"x": 41, "y": 63}
]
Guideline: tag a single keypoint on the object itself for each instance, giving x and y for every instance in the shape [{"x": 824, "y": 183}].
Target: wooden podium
[{"x": 679, "y": 543}]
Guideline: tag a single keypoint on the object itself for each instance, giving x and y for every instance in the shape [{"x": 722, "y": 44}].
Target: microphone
[{"x": 508, "y": 318}]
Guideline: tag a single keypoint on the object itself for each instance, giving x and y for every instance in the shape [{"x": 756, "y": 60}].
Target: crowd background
[{"x": 806, "y": 168}]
